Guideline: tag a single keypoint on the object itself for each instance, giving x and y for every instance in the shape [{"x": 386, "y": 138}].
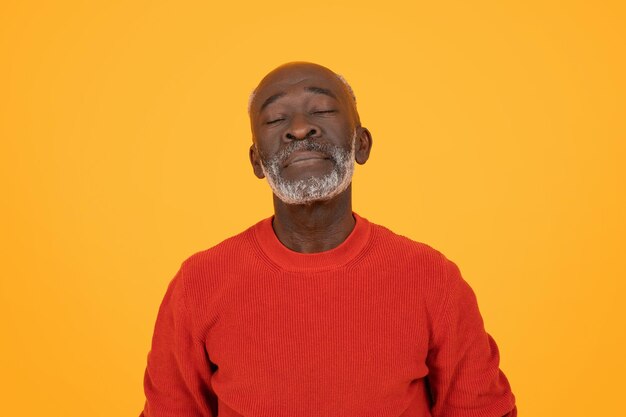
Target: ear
[
  {"x": 255, "y": 160},
  {"x": 363, "y": 145}
]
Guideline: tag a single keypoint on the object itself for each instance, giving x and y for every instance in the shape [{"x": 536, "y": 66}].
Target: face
[{"x": 306, "y": 134}]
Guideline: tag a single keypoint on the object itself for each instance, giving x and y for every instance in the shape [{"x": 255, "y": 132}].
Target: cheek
[
  {"x": 347, "y": 135},
  {"x": 345, "y": 128},
  {"x": 266, "y": 147}
]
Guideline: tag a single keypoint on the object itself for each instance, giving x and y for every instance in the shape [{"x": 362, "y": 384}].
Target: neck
[{"x": 315, "y": 227}]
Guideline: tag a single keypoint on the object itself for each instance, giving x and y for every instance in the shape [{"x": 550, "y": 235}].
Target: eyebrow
[
  {"x": 270, "y": 100},
  {"x": 314, "y": 90},
  {"x": 320, "y": 90}
]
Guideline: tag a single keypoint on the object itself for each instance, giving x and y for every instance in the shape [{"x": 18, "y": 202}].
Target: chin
[{"x": 310, "y": 190}]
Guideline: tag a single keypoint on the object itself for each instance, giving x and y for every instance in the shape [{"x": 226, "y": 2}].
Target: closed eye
[
  {"x": 324, "y": 111},
  {"x": 273, "y": 121}
]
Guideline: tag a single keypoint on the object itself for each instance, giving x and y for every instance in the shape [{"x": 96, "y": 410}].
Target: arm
[
  {"x": 463, "y": 359},
  {"x": 177, "y": 376}
]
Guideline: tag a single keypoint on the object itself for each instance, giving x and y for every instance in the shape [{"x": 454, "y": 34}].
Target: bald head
[{"x": 293, "y": 71}]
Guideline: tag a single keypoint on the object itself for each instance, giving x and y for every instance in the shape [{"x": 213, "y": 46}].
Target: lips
[{"x": 299, "y": 156}]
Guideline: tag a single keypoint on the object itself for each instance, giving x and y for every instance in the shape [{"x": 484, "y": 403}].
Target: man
[{"x": 316, "y": 311}]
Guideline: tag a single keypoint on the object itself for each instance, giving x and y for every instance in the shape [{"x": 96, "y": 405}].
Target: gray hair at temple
[{"x": 341, "y": 78}]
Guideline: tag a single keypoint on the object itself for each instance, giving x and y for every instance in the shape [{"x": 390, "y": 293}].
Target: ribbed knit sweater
[{"x": 380, "y": 326}]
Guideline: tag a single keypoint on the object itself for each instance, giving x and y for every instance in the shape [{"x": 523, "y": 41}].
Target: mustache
[{"x": 304, "y": 145}]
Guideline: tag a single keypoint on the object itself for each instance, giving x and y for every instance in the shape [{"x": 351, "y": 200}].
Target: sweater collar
[{"x": 290, "y": 260}]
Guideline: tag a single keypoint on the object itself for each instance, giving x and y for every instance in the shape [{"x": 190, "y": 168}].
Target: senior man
[{"x": 315, "y": 311}]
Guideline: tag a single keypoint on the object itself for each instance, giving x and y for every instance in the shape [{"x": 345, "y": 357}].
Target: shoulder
[
  {"x": 404, "y": 247},
  {"x": 210, "y": 268},
  {"x": 417, "y": 267},
  {"x": 423, "y": 260},
  {"x": 238, "y": 244}
]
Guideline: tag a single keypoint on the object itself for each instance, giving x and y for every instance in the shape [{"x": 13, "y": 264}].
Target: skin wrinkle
[{"x": 339, "y": 76}]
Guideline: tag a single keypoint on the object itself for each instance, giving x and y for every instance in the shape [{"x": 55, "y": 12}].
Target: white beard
[{"x": 312, "y": 189}]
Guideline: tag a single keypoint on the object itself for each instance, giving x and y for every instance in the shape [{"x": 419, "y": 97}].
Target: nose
[{"x": 301, "y": 128}]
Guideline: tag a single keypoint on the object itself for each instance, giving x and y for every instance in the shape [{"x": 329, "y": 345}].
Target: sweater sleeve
[
  {"x": 463, "y": 359},
  {"x": 178, "y": 372}
]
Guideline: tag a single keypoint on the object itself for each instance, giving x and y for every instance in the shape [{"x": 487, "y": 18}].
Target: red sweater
[{"x": 380, "y": 326}]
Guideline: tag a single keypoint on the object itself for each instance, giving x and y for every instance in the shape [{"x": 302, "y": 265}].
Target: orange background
[{"x": 499, "y": 134}]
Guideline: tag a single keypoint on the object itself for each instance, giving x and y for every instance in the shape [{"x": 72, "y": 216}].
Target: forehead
[{"x": 295, "y": 79}]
